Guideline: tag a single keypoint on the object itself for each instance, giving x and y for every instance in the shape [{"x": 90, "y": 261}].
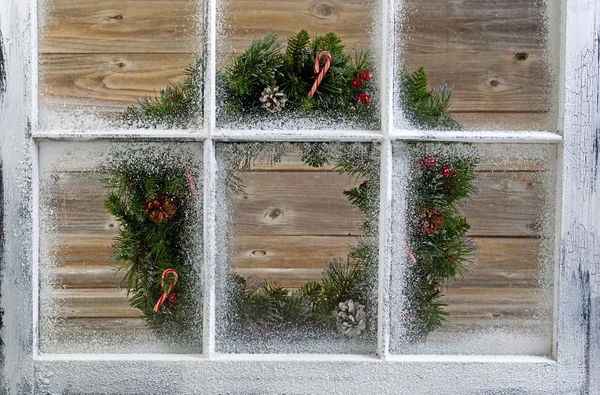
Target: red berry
[
  {"x": 357, "y": 82},
  {"x": 364, "y": 99},
  {"x": 421, "y": 163},
  {"x": 430, "y": 161},
  {"x": 446, "y": 171},
  {"x": 172, "y": 297},
  {"x": 367, "y": 75}
]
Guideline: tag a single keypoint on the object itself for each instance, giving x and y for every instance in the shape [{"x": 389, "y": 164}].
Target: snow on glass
[
  {"x": 100, "y": 274},
  {"x": 119, "y": 65},
  {"x": 492, "y": 65},
  {"x": 297, "y": 238},
  {"x": 295, "y": 65},
  {"x": 473, "y": 249}
]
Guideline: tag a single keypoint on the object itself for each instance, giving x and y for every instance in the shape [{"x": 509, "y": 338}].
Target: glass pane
[
  {"x": 474, "y": 253},
  {"x": 298, "y": 265},
  {"x": 120, "y": 63},
  {"x": 267, "y": 55},
  {"x": 497, "y": 59},
  {"x": 114, "y": 219}
]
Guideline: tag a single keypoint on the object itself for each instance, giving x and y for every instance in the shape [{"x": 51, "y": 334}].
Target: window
[{"x": 238, "y": 203}]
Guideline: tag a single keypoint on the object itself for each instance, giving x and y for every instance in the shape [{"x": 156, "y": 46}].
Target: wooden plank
[
  {"x": 501, "y": 262},
  {"x": 296, "y": 204},
  {"x": 246, "y": 20},
  {"x": 107, "y": 82},
  {"x": 462, "y": 302},
  {"x": 121, "y": 26},
  {"x": 507, "y": 204},
  {"x": 473, "y": 25},
  {"x": 92, "y": 303},
  {"x": 488, "y": 81},
  {"x": 308, "y": 252}
]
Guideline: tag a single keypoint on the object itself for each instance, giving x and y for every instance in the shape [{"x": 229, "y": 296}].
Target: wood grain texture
[
  {"x": 246, "y": 20},
  {"x": 488, "y": 81},
  {"x": 107, "y": 82},
  {"x": 296, "y": 204},
  {"x": 121, "y": 26},
  {"x": 292, "y": 261},
  {"x": 472, "y": 25}
]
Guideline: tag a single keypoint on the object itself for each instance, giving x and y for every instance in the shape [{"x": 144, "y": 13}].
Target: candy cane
[
  {"x": 411, "y": 255},
  {"x": 164, "y": 294},
  {"x": 322, "y": 73}
]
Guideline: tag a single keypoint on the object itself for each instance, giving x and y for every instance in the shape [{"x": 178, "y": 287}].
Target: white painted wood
[
  {"x": 477, "y": 136},
  {"x": 579, "y": 299},
  {"x": 17, "y": 153},
  {"x": 119, "y": 135},
  {"x": 575, "y": 370}
]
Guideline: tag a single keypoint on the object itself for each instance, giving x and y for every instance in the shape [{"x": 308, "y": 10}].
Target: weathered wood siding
[
  {"x": 293, "y": 220},
  {"x": 104, "y": 55}
]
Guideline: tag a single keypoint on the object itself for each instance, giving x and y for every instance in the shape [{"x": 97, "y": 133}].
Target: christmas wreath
[
  {"x": 345, "y": 300},
  {"x": 150, "y": 204}
]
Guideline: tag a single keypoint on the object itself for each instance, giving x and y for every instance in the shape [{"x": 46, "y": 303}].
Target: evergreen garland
[
  {"x": 151, "y": 198},
  {"x": 442, "y": 178},
  {"x": 426, "y": 108},
  {"x": 266, "y": 66},
  {"x": 176, "y": 106}
]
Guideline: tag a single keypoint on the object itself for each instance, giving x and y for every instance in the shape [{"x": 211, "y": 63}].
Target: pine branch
[
  {"x": 174, "y": 106},
  {"x": 257, "y": 68}
]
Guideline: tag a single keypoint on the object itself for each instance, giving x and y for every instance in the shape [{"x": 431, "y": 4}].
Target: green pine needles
[
  {"x": 269, "y": 79},
  {"x": 423, "y": 107},
  {"x": 151, "y": 199},
  {"x": 176, "y": 106},
  {"x": 443, "y": 177}
]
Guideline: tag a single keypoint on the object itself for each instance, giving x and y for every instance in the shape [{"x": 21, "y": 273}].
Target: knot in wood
[
  {"x": 494, "y": 83},
  {"x": 276, "y": 212},
  {"x": 259, "y": 253},
  {"x": 324, "y": 10},
  {"x": 521, "y": 56}
]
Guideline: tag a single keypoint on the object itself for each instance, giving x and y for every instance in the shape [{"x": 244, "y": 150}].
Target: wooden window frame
[{"x": 573, "y": 369}]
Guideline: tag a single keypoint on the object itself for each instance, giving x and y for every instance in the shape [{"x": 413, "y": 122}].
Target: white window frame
[{"x": 574, "y": 368}]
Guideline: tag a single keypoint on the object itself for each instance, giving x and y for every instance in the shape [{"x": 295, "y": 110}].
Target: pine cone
[
  {"x": 161, "y": 209},
  {"x": 430, "y": 220},
  {"x": 350, "y": 318},
  {"x": 272, "y": 99}
]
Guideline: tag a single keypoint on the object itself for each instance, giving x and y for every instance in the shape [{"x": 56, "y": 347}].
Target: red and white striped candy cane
[
  {"x": 411, "y": 255},
  {"x": 164, "y": 294},
  {"x": 322, "y": 73}
]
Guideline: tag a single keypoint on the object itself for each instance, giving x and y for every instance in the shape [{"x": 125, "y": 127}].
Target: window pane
[
  {"x": 477, "y": 244},
  {"x": 298, "y": 264},
  {"x": 267, "y": 82},
  {"x": 497, "y": 57},
  {"x": 114, "y": 218},
  {"x": 99, "y": 58}
]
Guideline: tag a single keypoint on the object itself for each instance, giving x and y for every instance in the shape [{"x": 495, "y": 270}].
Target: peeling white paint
[{"x": 576, "y": 369}]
